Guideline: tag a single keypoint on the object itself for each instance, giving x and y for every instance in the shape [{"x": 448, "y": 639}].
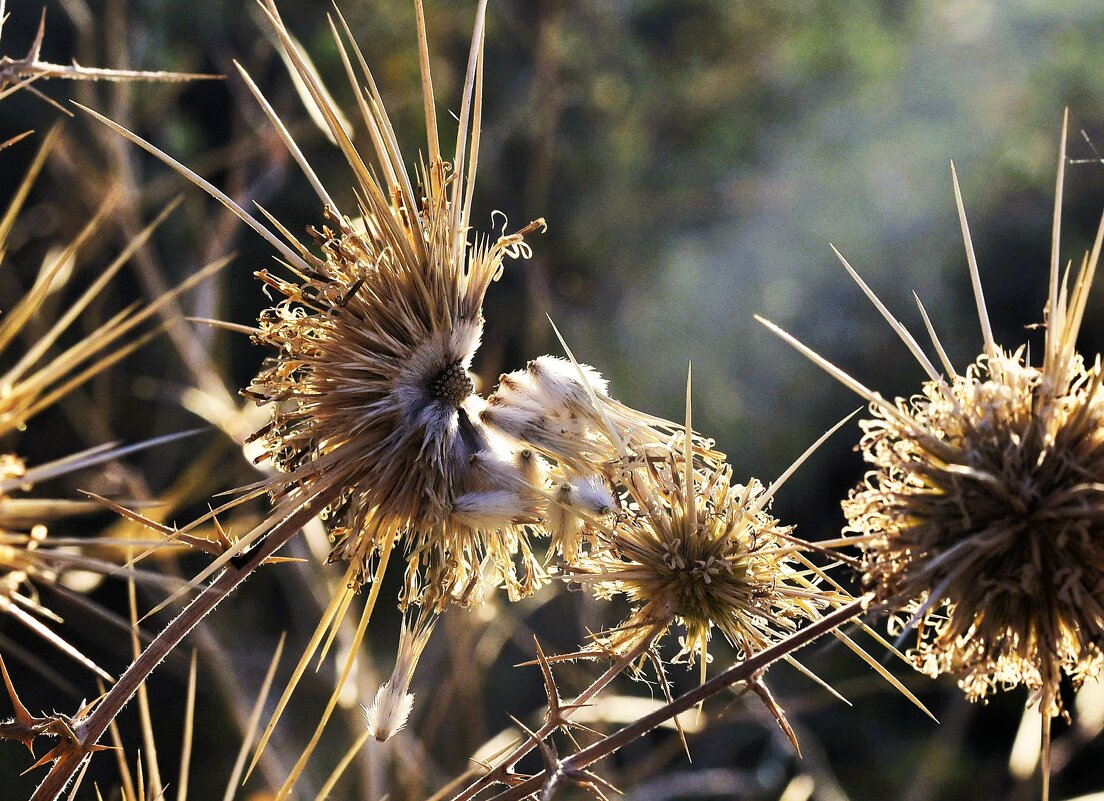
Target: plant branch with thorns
[
  {"x": 91, "y": 728},
  {"x": 749, "y": 672},
  {"x": 20, "y": 73}
]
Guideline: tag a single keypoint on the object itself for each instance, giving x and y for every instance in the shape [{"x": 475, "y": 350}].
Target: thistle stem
[
  {"x": 744, "y": 671},
  {"x": 500, "y": 770},
  {"x": 90, "y": 729}
]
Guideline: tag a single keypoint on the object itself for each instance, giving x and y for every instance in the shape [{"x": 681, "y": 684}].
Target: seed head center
[{"x": 452, "y": 385}]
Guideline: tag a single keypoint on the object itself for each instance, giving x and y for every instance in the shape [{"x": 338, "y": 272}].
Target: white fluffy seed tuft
[
  {"x": 493, "y": 509},
  {"x": 574, "y": 500},
  {"x": 389, "y": 711}
]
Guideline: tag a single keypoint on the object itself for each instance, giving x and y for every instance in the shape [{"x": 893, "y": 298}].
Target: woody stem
[
  {"x": 500, "y": 770},
  {"x": 92, "y": 728},
  {"x": 742, "y": 672}
]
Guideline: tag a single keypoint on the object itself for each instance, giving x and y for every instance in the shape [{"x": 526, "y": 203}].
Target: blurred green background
[{"x": 693, "y": 159}]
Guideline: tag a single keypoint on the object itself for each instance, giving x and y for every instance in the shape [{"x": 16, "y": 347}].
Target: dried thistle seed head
[
  {"x": 706, "y": 558},
  {"x": 982, "y": 517},
  {"x": 980, "y": 520},
  {"x": 371, "y": 395}
]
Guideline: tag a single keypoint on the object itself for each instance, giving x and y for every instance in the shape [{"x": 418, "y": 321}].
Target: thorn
[
  {"x": 553, "y": 768},
  {"x": 550, "y": 689},
  {"x": 283, "y": 560},
  {"x": 759, "y": 687},
  {"x": 23, "y": 717},
  {"x": 223, "y": 538},
  {"x": 591, "y": 782},
  {"x": 21, "y": 712},
  {"x": 661, "y": 674},
  {"x": 36, "y": 46},
  {"x": 54, "y": 753},
  {"x": 556, "y": 706}
]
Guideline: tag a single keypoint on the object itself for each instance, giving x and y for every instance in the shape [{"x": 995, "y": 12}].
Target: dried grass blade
[
  {"x": 189, "y": 726},
  {"x": 202, "y": 183},
  {"x": 975, "y": 275},
  {"x": 881, "y": 671},
  {"x": 897, "y": 326},
  {"x": 254, "y": 720},
  {"x": 328, "y": 618}
]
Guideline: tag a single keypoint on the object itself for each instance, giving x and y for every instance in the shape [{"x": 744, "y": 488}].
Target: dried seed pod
[
  {"x": 704, "y": 555},
  {"x": 980, "y": 521}
]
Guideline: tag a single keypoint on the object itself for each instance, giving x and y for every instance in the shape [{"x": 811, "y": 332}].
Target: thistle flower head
[
  {"x": 373, "y": 405},
  {"x": 693, "y": 549},
  {"x": 374, "y": 411},
  {"x": 371, "y": 393},
  {"x": 980, "y": 519}
]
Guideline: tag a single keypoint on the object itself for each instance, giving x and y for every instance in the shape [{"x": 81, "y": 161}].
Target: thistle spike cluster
[
  {"x": 704, "y": 555},
  {"x": 370, "y": 384},
  {"x": 979, "y": 521}
]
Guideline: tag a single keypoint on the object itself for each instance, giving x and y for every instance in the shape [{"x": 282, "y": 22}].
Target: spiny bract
[
  {"x": 981, "y": 519},
  {"x": 691, "y": 548}
]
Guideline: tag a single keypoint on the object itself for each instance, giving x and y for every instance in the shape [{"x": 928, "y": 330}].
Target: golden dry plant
[
  {"x": 39, "y": 373},
  {"x": 377, "y": 426},
  {"x": 979, "y": 521},
  {"x": 664, "y": 526},
  {"x": 375, "y": 419},
  {"x": 376, "y": 423},
  {"x": 691, "y": 548}
]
